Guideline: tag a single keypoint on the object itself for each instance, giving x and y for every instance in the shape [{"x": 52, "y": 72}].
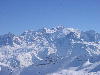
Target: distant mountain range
[{"x": 55, "y": 51}]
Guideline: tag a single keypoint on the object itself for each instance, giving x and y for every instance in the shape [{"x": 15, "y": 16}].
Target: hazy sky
[{"x": 17, "y": 16}]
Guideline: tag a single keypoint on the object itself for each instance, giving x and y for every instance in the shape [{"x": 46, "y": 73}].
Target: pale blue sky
[{"x": 17, "y": 16}]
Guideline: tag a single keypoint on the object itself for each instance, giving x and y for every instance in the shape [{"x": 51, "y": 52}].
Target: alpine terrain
[{"x": 55, "y": 51}]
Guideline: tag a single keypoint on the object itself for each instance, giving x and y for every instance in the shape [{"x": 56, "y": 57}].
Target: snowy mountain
[{"x": 55, "y": 51}]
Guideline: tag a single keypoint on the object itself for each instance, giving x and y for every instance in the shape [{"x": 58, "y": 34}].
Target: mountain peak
[{"x": 50, "y": 49}]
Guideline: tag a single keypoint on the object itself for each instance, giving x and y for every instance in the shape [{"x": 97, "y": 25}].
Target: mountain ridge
[{"x": 50, "y": 49}]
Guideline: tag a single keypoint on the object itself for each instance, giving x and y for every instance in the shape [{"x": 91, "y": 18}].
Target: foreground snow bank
[{"x": 72, "y": 72}]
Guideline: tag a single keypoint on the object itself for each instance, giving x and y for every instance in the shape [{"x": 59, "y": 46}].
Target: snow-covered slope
[{"x": 56, "y": 51}]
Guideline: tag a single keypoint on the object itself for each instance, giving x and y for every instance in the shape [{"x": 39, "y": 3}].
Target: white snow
[
  {"x": 25, "y": 59},
  {"x": 0, "y": 69},
  {"x": 50, "y": 30},
  {"x": 87, "y": 63},
  {"x": 25, "y": 52},
  {"x": 72, "y": 72}
]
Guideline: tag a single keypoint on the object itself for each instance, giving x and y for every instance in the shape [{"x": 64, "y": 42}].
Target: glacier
[{"x": 55, "y": 51}]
